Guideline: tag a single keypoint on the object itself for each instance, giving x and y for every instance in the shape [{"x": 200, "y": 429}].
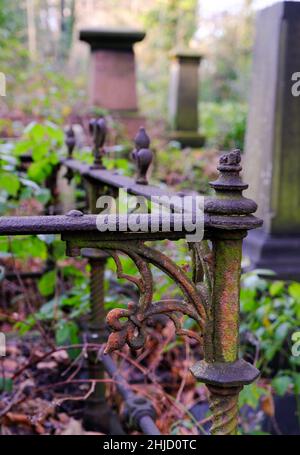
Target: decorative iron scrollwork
[{"x": 132, "y": 331}]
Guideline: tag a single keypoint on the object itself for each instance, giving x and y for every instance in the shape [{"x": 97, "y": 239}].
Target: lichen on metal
[{"x": 221, "y": 370}]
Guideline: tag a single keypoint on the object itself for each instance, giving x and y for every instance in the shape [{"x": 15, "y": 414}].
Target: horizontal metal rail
[
  {"x": 77, "y": 223},
  {"x": 115, "y": 180}
]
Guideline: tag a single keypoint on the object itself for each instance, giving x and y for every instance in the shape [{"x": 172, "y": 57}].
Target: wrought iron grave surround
[{"x": 210, "y": 298}]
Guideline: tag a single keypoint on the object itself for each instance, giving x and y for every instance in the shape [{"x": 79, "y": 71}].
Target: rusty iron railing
[{"x": 211, "y": 298}]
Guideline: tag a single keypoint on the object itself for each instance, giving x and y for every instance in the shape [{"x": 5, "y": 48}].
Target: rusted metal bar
[
  {"x": 115, "y": 180},
  {"x": 139, "y": 410},
  {"x": 76, "y": 222},
  {"x": 97, "y": 413}
]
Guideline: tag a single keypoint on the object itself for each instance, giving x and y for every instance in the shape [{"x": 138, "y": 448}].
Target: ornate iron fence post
[
  {"x": 222, "y": 370},
  {"x": 97, "y": 414}
]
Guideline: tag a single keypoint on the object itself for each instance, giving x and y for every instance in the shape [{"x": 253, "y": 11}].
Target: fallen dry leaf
[{"x": 267, "y": 405}]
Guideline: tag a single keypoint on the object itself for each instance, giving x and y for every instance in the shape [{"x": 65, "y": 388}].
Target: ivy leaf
[
  {"x": 10, "y": 183},
  {"x": 294, "y": 291},
  {"x": 296, "y": 378},
  {"x": 22, "y": 147},
  {"x": 251, "y": 395},
  {"x": 40, "y": 151},
  {"x": 43, "y": 195},
  {"x": 276, "y": 288},
  {"x": 35, "y": 131},
  {"x": 38, "y": 171},
  {"x": 281, "y": 384},
  {"x": 67, "y": 333},
  {"x": 46, "y": 284},
  {"x": 281, "y": 331},
  {"x": 24, "y": 247}
]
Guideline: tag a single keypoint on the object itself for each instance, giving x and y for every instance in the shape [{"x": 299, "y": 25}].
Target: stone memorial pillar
[
  {"x": 272, "y": 158},
  {"x": 112, "y": 84},
  {"x": 184, "y": 98}
]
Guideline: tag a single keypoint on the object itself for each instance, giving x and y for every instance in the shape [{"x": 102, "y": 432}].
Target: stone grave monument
[
  {"x": 272, "y": 150},
  {"x": 112, "y": 74},
  {"x": 184, "y": 98}
]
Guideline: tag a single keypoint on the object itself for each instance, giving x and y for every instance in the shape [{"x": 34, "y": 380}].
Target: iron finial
[
  {"x": 98, "y": 131},
  {"x": 229, "y": 178},
  {"x": 142, "y": 155},
  {"x": 70, "y": 141},
  {"x": 229, "y": 187}
]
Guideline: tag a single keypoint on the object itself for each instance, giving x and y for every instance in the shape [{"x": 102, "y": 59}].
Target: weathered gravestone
[
  {"x": 184, "y": 98},
  {"x": 272, "y": 159},
  {"x": 112, "y": 83}
]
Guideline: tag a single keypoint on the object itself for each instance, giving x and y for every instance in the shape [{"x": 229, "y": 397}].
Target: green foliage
[
  {"x": 61, "y": 314},
  {"x": 47, "y": 283},
  {"x": 37, "y": 86},
  {"x": 24, "y": 247},
  {"x": 174, "y": 29},
  {"x": 16, "y": 186},
  {"x": 251, "y": 395},
  {"x": 186, "y": 166},
  {"x": 66, "y": 333},
  {"x": 224, "y": 124},
  {"x": 44, "y": 143},
  {"x": 172, "y": 24},
  {"x": 282, "y": 384},
  {"x": 271, "y": 312},
  {"x": 50, "y": 94},
  {"x": 228, "y": 49},
  {"x": 9, "y": 182}
]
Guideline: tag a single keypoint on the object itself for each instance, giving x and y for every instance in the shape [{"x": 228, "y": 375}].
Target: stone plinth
[
  {"x": 272, "y": 159},
  {"x": 112, "y": 84},
  {"x": 184, "y": 97}
]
